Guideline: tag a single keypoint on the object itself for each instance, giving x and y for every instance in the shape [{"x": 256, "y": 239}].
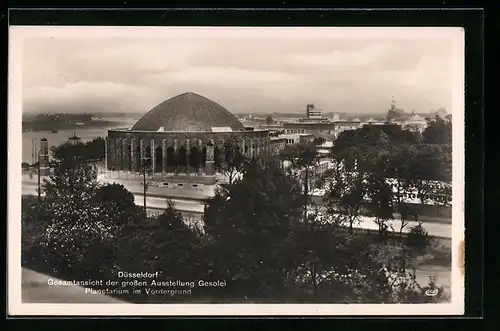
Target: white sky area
[{"x": 261, "y": 72}]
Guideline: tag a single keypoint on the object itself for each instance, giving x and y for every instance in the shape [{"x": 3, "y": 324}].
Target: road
[
  {"x": 195, "y": 209},
  {"x": 35, "y": 288}
]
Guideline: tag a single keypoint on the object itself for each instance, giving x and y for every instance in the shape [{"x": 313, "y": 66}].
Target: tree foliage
[
  {"x": 269, "y": 119},
  {"x": 438, "y": 131},
  {"x": 233, "y": 161},
  {"x": 248, "y": 225},
  {"x": 93, "y": 150},
  {"x": 165, "y": 244},
  {"x": 345, "y": 195},
  {"x": 257, "y": 238}
]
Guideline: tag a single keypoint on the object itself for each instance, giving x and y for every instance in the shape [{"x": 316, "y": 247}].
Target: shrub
[{"x": 418, "y": 238}]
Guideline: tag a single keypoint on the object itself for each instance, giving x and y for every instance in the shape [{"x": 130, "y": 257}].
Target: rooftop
[{"x": 189, "y": 112}]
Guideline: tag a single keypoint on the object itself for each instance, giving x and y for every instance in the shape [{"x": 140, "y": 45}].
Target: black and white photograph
[{"x": 236, "y": 170}]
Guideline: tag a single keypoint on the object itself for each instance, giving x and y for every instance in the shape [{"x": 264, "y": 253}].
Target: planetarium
[{"x": 182, "y": 135}]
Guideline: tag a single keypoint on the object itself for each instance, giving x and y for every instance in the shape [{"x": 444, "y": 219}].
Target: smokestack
[{"x": 43, "y": 157}]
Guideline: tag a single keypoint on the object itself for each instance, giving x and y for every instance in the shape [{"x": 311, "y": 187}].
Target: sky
[{"x": 263, "y": 73}]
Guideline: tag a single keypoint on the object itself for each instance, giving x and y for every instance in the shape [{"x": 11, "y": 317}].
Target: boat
[{"x": 54, "y": 131}]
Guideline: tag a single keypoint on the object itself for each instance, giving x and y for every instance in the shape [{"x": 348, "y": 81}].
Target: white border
[{"x": 16, "y": 36}]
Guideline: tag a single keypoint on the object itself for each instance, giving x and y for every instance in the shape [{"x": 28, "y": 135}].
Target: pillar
[
  {"x": 142, "y": 154},
  {"x": 125, "y": 155},
  {"x": 241, "y": 144},
  {"x": 164, "y": 156},
  {"x": 200, "y": 154},
  {"x": 209, "y": 163},
  {"x": 111, "y": 154},
  {"x": 176, "y": 145},
  {"x": 106, "y": 153},
  {"x": 133, "y": 156},
  {"x": 153, "y": 156},
  {"x": 118, "y": 151},
  {"x": 251, "y": 149},
  {"x": 188, "y": 154}
]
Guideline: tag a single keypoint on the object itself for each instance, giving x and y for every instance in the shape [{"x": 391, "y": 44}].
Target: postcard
[{"x": 235, "y": 171}]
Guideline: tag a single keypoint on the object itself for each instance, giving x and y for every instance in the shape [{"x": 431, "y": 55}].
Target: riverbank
[{"x": 34, "y": 126}]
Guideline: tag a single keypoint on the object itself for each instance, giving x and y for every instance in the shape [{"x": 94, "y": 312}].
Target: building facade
[
  {"x": 182, "y": 135},
  {"x": 312, "y": 112}
]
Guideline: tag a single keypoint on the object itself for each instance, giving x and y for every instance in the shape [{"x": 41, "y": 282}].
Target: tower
[
  {"x": 393, "y": 104},
  {"x": 43, "y": 157}
]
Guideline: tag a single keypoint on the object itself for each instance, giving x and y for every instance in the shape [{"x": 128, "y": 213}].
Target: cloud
[{"x": 253, "y": 74}]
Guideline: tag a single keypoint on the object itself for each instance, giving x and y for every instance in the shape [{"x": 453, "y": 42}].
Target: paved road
[
  {"x": 35, "y": 289},
  {"x": 442, "y": 230}
]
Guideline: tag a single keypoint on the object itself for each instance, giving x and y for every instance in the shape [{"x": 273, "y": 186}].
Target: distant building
[
  {"x": 325, "y": 149},
  {"x": 341, "y": 126},
  {"x": 312, "y": 112},
  {"x": 291, "y": 139},
  {"x": 183, "y": 135},
  {"x": 272, "y": 128},
  {"x": 276, "y": 145},
  {"x": 416, "y": 122},
  {"x": 43, "y": 157},
  {"x": 441, "y": 112},
  {"x": 74, "y": 139}
]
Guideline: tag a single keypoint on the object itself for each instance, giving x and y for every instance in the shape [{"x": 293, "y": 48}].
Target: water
[{"x": 55, "y": 139}]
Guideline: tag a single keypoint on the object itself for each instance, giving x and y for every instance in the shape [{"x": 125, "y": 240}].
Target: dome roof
[{"x": 188, "y": 112}]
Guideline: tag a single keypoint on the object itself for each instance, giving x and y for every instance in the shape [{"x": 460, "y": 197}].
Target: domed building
[{"x": 182, "y": 135}]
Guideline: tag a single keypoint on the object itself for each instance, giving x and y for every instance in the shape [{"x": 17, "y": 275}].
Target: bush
[{"x": 418, "y": 238}]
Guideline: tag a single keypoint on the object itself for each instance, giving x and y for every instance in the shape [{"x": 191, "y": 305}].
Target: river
[{"x": 62, "y": 136}]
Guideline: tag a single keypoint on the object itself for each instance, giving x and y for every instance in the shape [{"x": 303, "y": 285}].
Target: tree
[
  {"x": 91, "y": 151},
  {"x": 80, "y": 240},
  {"x": 318, "y": 141},
  {"x": 380, "y": 203},
  {"x": 429, "y": 172},
  {"x": 438, "y": 131},
  {"x": 304, "y": 158},
  {"x": 71, "y": 179},
  {"x": 119, "y": 202},
  {"x": 397, "y": 169},
  {"x": 96, "y": 149},
  {"x": 69, "y": 153},
  {"x": 345, "y": 195},
  {"x": 418, "y": 238},
  {"x": 269, "y": 119},
  {"x": 164, "y": 243},
  {"x": 234, "y": 160},
  {"x": 35, "y": 217},
  {"x": 248, "y": 225},
  {"x": 364, "y": 144}
]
